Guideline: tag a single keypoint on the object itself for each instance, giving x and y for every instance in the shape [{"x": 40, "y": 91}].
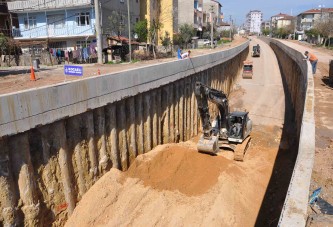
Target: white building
[{"x": 253, "y": 21}]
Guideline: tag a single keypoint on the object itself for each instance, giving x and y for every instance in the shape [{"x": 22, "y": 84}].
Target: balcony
[
  {"x": 37, "y": 5},
  {"x": 53, "y": 32},
  {"x": 307, "y": 20}
]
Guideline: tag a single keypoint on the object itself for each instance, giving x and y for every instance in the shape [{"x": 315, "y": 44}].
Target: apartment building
[
  {"x": 68, "y": 24},
  {"x": 253, "y": 21},
  {"x": 284, "y": 22},
  {"x": 6, "y": 20},
  {"x": 191, "y": 12},
  {"x": 275, "y": 18},
  {"x": 307, "y": 19},
  {"x": 265, "y": 25},
  {"x": 213, "y": 8}
]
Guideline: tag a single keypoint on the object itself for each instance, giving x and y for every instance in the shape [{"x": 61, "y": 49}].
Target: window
[
  {"x": 122, "y": 1},
  {"x": 82, "y": 43},
  {"x": 58, "y": 21},
  {"x": 30, "y": 22},
  {"x": 83, "y": 19},
  {"x": 137, "y": 20}
]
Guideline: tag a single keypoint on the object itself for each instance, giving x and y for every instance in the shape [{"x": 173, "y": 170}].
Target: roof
[
  {"x": 281, "y": 15},
  {"x": 287, "y": 18},
  {"x": 320, "y": 10},
  {"x": 224, "y": 24}
]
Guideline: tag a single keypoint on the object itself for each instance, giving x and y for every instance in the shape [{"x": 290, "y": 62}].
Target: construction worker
[{"x": 313, "y": 60}]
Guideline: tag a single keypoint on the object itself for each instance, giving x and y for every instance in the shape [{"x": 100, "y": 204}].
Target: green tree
[
  {"x": 115, "y": 24},
  {"x": 140, "y": 28},
  {"x": 155, "y": 26},
  {"x": 266, "y": 31},
  {"x": 166, "y": 40},
  {"x": 186, "y": 31}
]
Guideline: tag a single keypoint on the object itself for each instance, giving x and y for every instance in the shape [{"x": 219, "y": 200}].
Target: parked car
[{"x": 206, "y": 42}]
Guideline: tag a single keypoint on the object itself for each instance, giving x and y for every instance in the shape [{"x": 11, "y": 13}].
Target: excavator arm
[{"x": 204, "y": 93}]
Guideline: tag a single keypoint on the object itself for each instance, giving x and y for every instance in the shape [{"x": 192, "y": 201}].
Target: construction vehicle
[
  {"x": 227, "y": 130},
  {"x": 247, "y": 69},
  {"x": 256, "y": 51}
]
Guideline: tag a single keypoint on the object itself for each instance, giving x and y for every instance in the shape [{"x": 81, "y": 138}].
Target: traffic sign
[{"x": 73, "y": 70}]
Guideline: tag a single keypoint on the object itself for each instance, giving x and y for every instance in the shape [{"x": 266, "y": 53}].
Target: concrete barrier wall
[
  {"x": 299, "y": 79},
  {"x": 56, "y": 142}
]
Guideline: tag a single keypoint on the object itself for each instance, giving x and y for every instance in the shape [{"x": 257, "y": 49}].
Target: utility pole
[
  {"x": 230, "y": 28},
  {"x": 211, "y": 25},
  {"x": 98, "y": 32},
  {"x": 129, "y": 31}
]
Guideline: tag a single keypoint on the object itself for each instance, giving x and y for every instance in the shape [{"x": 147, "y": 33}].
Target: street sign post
[{"x": 73, "y": 70}]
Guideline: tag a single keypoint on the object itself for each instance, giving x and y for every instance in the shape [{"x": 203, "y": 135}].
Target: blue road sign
[{"x": 73, "y": 70}]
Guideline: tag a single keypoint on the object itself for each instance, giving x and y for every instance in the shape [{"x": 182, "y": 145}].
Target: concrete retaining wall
[
  {"x": 298, "y": 76},
  {"x": 56, "y": 142}
]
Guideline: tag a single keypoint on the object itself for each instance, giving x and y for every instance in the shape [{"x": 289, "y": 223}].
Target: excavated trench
[{"x": 54, "y": 166}]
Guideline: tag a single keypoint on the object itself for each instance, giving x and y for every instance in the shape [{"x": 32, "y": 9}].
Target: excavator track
[{"x": 241, "y": 149}]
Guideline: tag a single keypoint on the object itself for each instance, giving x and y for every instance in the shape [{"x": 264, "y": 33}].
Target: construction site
[{"x": 141, "y": 145}]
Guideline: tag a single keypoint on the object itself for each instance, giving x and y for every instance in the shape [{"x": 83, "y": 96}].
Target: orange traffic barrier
[
  {"x": 32, "y": 74},
  {"x": 99, "y": 72}
]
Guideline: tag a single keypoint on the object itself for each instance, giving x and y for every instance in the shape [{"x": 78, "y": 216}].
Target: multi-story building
[
  {"x": 213, "y": 8},
  {"x": 275, "y": 18},
  {"x": 6, "y": 20},
  {"x": 265, "y": 25},
  {"x": 306, "y": 20},
  {"x": 253, "y": 21},
  {"x": 190, "y": 12},
  {"x": 67, "y": 24},
  {"x": 284, "y": 22},
  {"x": 115, "y": 16},
  {"x": 162, "y": 11}
]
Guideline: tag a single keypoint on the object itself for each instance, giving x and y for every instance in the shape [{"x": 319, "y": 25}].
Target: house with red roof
[{"x": 307, "y": 19}]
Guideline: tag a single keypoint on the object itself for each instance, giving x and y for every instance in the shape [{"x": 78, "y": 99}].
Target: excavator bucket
[{"x": 209, "y": 146}]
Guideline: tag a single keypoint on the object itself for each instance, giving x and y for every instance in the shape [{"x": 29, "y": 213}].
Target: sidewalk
[{"x": 17, "y": 78}]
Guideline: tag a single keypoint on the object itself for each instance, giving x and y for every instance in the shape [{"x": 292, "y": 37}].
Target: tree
[
  {"x": 155, "y": 26},
  {"x": 266, "y": 31},
  {"x": 140, "y": 28},
  {"x": 186, "y": 31},
  {"x": 115, "y": 24},
  {"x": 166, "y": 40},
  {"x": 325, "y": 29}
]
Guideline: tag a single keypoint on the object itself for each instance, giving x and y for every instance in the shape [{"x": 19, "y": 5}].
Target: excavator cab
[{"x": 239, "y": 126}]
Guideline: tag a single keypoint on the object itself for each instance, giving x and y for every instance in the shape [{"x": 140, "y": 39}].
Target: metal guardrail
[{"x": 32, "y": 5}]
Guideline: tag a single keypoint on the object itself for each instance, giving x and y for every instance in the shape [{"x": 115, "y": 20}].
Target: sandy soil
[
  {"x": 323, "y": 166},
  {"x": 18, "y": 78},
  {"x": 174, "y": 185}
]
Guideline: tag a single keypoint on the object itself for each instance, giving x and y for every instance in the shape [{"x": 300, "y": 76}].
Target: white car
[{"x": 206, "y": 42}]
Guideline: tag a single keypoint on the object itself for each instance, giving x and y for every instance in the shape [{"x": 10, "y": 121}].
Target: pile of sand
[{"x": 176, "y": 168}]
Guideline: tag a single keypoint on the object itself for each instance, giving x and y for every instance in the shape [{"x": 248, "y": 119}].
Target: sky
[{"x": 239, "y": 8}]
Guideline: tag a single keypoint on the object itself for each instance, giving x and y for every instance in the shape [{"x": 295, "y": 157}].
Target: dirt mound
[{"x": 176, "y": 168}]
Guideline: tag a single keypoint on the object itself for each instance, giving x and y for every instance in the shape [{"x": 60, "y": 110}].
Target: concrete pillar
[
  {"x": 122, "y": 142},
  {"x": 147, "y": 123},
  {"x": 177, "y": 101},
  {"x": 139, "y": 125},
  {"x": 110, "y": 112},
  {"x": 65, "y": 165},
  {"x": 92, "y": 150},
  {"x": 182, "y": 110},
  {"x": 130, "y": 109},
  {"x": 172, "y": 113},
  {"x": 74, "y": 143},
  {"x": 188, "y": 108},
  {"x": 153, "y": 102},
  {"x": 24, "y": 174},
  {"x": 103, "y": 157},
  {"x": 165, "y": 114},
  {"x": 159, "y": 114},
  {"x": 8, "y": 192}
]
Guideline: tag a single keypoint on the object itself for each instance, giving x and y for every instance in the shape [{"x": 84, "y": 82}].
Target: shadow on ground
[
  {"x": 9, "y": 71},
  {"x": 276, "y": 191},
  {"x": 327, "y": 82}
]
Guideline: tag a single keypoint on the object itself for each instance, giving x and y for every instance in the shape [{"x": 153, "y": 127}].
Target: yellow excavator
[{"x": 227, "y": 130}]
